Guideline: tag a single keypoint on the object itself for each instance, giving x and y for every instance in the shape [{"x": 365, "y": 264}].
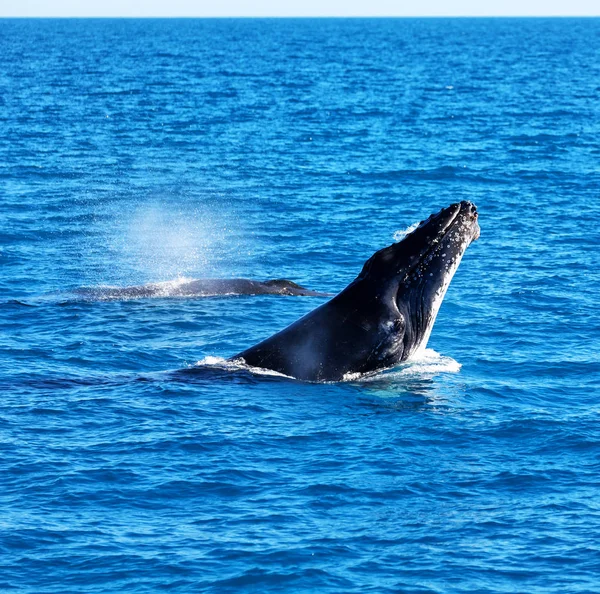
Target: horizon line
[{"x": 325, "y": 16}]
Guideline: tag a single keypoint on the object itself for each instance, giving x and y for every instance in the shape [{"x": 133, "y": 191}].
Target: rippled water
[{"x": 144, "y": 151}]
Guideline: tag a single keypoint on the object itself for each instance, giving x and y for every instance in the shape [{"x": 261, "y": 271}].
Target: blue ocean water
[{"x": 137, "y": 151}]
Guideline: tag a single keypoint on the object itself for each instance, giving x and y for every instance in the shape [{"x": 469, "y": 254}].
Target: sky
[{"x": 215, "y": 8}]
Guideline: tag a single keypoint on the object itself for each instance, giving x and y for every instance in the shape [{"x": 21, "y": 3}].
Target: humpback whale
[
  {"x": 205, "y": 287},
  {"x": 385, "y": 315}
]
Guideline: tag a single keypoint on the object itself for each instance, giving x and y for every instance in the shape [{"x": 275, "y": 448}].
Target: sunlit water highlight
[{"x": 138, "y": 152}]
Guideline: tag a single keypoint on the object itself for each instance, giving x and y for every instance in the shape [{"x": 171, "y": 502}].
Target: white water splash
[
  {"x": 237, "y": 365},
  {"x": 425, "y": 365},
  {"x": 402, "y": 233},
  {"x": 429, "y": 361}
]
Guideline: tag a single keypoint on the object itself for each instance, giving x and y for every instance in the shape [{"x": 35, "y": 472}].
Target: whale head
[{"x": 411, "y": 277}]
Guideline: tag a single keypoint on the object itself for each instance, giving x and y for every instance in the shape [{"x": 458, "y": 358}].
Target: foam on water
[
  {"x": 425, "y": 364},
  {"x": 237, "y": 365}
]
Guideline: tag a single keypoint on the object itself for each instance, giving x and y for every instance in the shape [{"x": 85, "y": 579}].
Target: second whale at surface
[{"x": 204, "y": 287}]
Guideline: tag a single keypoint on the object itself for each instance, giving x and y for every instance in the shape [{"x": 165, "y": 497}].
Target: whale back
[{"x": 353, "y": 332}]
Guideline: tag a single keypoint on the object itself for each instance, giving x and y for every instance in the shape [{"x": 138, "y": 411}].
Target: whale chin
[{"x": 385, "y": 315}]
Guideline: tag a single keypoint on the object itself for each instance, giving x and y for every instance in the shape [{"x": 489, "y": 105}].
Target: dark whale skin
[{"x": 382, "y": 317}]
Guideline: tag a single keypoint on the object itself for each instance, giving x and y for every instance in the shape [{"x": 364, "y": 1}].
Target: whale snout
[
  {"x": 468, "y": 206},
  {"x": 470, "y": 212},
  {"x": 469, "y": 209}
]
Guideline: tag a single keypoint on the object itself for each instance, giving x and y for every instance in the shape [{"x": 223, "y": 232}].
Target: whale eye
[{"x": 399, "y": 324}]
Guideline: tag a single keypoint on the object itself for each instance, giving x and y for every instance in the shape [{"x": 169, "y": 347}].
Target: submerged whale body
[
  {"x": 385, "y": 315},
  {"x": 206, "y": 287}
]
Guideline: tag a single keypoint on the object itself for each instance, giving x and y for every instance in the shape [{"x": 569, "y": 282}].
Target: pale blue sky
[{"x": 212, "y": 8}]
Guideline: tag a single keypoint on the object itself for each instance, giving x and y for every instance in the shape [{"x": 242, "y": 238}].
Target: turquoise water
[{"x": 143, "y": 151}]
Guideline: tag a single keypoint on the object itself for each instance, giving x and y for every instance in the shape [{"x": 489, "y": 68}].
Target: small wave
[
  {"x": 237, "y": 365},
  {"x": 16, "y": 302}
]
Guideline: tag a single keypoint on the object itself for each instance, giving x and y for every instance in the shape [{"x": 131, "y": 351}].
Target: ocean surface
[{"x": 133, "y": 458}]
